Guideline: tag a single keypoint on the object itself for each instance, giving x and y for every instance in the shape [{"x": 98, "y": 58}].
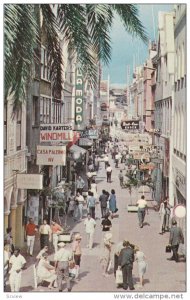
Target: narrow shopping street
[{"x": 162, "y": 275}]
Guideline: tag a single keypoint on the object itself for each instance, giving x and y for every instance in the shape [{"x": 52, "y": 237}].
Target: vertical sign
[{"x": 79, "y": 98}]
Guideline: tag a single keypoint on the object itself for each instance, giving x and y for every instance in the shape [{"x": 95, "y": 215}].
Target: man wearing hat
[{"x": 62, "y": 258}]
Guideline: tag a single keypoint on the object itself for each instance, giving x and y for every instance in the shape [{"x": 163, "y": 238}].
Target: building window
[
  {"x": 18, "y": 130},
  {"x": 45, "y": 110},
  {"x": 5, "y": 129},
  {"x": 57, "y": 107},
  {"x": 35, "y": 111},
  {"x": 45, "y": 73}
]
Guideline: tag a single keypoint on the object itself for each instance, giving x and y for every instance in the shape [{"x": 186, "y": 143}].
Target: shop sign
[
  {"x": 56, "y": 132},
  {"x": 93, "y": 134},
  {"x": 130, "y": 125},
  {"x": 30, "y": 181},
  {"x": 180, "y": 182},
  {"x": 51, "y": 155},
  {"x": 140, "y": 155},
  {"x": 79, "y": 97}
]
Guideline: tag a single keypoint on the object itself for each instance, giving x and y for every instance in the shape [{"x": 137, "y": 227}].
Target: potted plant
[{"x": 131, "y": 184}]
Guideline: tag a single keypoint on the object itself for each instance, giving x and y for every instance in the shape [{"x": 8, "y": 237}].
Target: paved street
[{"x": 162, "y": 275}]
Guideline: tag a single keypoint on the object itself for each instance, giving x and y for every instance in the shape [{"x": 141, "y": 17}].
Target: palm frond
[
  {"x": 72, "y": 22},
  {"x": 99, "y": 21},
  {"x": 53, "y": 48},
  {"x": 20, "y": 40},
  {"x": 129, "y": 16}
]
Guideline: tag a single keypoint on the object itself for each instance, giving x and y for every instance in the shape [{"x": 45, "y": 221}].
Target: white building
[{"x": 179, "y": 135}]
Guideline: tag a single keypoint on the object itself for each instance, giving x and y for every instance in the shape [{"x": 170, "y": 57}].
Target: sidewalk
[{"x": 161, "y": 276}]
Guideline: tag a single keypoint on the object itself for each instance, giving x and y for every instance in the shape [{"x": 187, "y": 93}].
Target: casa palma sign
[
  {"x": 79, "y": 98},
  {"x": 51, "y": 155}
]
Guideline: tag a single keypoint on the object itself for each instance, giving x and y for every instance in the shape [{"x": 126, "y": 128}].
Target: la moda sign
[{"x": 79, "y": 98}]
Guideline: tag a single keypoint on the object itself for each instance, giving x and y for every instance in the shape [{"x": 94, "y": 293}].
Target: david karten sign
[
  {"x": 79, "y": 98},
  {"x": 51, "y": 155},
  {"x": 130, "y": 125},
  {"x": 56, "y": 132}
]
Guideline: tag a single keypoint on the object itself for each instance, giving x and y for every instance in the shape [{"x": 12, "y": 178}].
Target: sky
[{"x": 127, "y": 50}]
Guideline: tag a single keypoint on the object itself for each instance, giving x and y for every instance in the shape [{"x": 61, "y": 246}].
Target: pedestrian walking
[
  {"x": 106, "y": 161},
  {"x": 89, "y": 179},
  {"x": 142, "y": 265},
  {"x": 90, "y": 225},
  {"x": 80, "y": 200},
  {"x": 71, "y": 205},
  {"x": 62, "y": 258},
  {"x": 77, "y": 252},
  {"x": 121, "y": 178},
  {"x": 94, "y": 189},
  {"x": 126, "y": 259},
  {"x": 103, "y": 203},
  {"x": 108, "y": 173},
  {"x": 112, "y": 203},
  {"x": 118, "y": 248},
  {"x": 176, "y": 237},
  {"x": 30, "y": 231},
  {"x": 17, "y": 263},
  {"x": 142, "y": 206},
  {"x": 106, "y": 224},
  {"x": 80, "y": 184},
  {"x": 105, "y": 259},
  {"x": 117, "y": 157},
  {"x": 9, "y": 239},
  {"x": 91, "y": 204},
  {"x": 6, "y": 257},
  {"x": 162, "y": 214},
  {"x": 45, "y": 271},
  {"x": 56, "y": 229},
  {"x": 45, "y": 234},
  {"x": 168, "y": 214}
]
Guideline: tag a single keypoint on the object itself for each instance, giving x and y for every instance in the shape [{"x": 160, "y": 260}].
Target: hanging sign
[
  {"x": 56, "y": 132},
  {"x": 51, "y": 155},
  {"x": 79, "y": 98},
  {"x": 30, "y": 181}
]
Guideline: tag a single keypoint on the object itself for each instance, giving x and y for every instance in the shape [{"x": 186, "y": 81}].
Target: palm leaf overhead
[
  {"x": 85, "y": 27},
  {"x": 21, "y": 33}
]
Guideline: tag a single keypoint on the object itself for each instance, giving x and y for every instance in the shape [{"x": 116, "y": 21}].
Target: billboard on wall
[
  {"x": 56, "y": 132},
  {"x": 51, "y": 155},
  {"x": 79, "y": 98},
  {"x": 30, "y": 181}
]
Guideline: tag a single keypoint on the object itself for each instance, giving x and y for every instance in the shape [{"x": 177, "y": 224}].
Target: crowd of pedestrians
[{"x": 67, "y": 257}]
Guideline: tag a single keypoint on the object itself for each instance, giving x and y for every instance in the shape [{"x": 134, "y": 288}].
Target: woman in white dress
[
  {"x": 94, "y": 189},
  {"x": 142, "y": 265},
  {"x": 45, "y": 271}
]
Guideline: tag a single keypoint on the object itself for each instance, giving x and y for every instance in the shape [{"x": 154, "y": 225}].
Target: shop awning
[
  {"x": 85, "y": 142},
  {"x": 77, "y": 151}
]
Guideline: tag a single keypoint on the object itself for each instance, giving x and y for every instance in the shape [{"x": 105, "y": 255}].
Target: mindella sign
[{"x": 79, "y": 98}]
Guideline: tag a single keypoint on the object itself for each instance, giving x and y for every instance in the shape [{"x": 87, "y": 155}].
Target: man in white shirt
[
  {"x": 80, "y": 201},
  {"x": 45, "y": 234},
  {"x": 62, "y": 258},
  {"x": 108, "y": 172},
  {"x": 90, "y": 225},
  {"x": 117, "y": 157},
  {"x": 17, "y": 263},
  {"x": 142, "y": 206},
  {"x": 106, "y": 160},
  {"x": 80, "y": 184}
]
